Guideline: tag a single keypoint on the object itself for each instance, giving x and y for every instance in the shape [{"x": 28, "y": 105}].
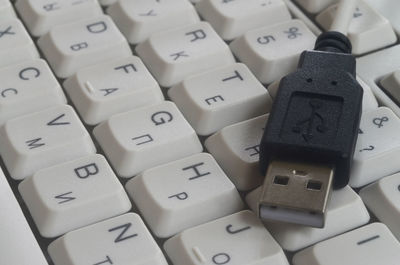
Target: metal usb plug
[{"x": 296, "y": 193}]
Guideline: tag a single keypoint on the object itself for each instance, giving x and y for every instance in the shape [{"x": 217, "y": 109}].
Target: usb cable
[{"x": 309, "y": 141}]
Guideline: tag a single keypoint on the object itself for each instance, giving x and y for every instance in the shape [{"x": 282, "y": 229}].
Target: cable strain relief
[{"x": 333, "y": 41}]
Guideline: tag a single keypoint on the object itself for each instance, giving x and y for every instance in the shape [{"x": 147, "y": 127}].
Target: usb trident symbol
[{"x": 311, "y": 121}]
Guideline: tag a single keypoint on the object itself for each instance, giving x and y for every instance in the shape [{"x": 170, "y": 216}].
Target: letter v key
[{"x": 55, "y": 121}]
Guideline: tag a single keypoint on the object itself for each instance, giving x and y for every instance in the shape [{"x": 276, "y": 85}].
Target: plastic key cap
[
  {"x": 238, "y": 239},
  {"x": 43, "y": 139},
  {"x": 273, "y": 51},
  {"x": 369, "y": 245},
  {"x": 73, "y": 194},
  {"x": 378, "y": 144},
  {"x": 173, "y": 55},
  {"x": 221, "y": 97},
  {"x": 6, "y": 9},
  {"x": 183, "y": 194},
  {"x": 109, "y": 88},
  {"x": 15, "y": 43},
  {"x": 236, "y": 149},
  {"x": 41, "y": 16},
  {"x": 368, "y": 30},
  {"x": 232, "y": 19},
  {"x": 382, "y": 198},
  {"x": 83, "y": 43},
  {"x": 122, "y": 240},
  {"x": 345, "y": 211},
  {"x": 143, "y": 138},
  {"x": 28, "y": 87},
  {"x": 139, "y": 19}
]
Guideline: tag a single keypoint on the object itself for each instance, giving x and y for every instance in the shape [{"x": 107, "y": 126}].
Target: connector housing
[{"x": 316, "y": 114}]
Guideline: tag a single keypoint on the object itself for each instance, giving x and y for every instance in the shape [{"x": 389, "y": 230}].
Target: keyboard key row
[{"x": 157, "y": 131}]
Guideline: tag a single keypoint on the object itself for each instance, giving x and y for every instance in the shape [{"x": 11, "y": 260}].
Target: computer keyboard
[{"x": 130, "y": 131}]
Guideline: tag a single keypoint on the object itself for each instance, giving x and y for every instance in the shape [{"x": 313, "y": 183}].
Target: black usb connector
[{"x": 309, "y": 141}]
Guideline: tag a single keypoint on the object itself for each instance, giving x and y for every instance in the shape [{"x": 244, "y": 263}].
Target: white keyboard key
[
  {"x": 369, "y": 245},
  {"x": 368, "y": 30},
  {"x": 43, "y": 139},
  {"x": 220, "y": 97},
  {"x": 376, "y": 66},
  {"x": 141, "y": 139},
  {"x": 100, "y": 91},
  {"x": 369, "y": 101},
  {"x": 272, "y": 52},
  {"x": 345, "y": 211},
  {"x": 382, "y": 198},
  {"x": 315, "y": 6},
  {"x": 68, "y": 196},
  {"x": 6, "y": 10},
  {"x": 232, "y": 19},
  {"x": 87, "y": 42},
  {"x": 378, "y": 144},
  {"x": 122, "y": 240},
  {"x": 183, "y": 194},
  {"x": 236, "y": 149},
  {"x": 15, "y": 43},
  {"x": 42, "y": 15},
  {"x": 238, "y": 239},
  {"x": 28, "y": 87},
  {"x": 173, "y": 55},
  {"x": 389, "y": 9},
  {"x": 391, "y": 84},
  {"x": 16, "y": 235},
  {"x": 139, "y": 19}
]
